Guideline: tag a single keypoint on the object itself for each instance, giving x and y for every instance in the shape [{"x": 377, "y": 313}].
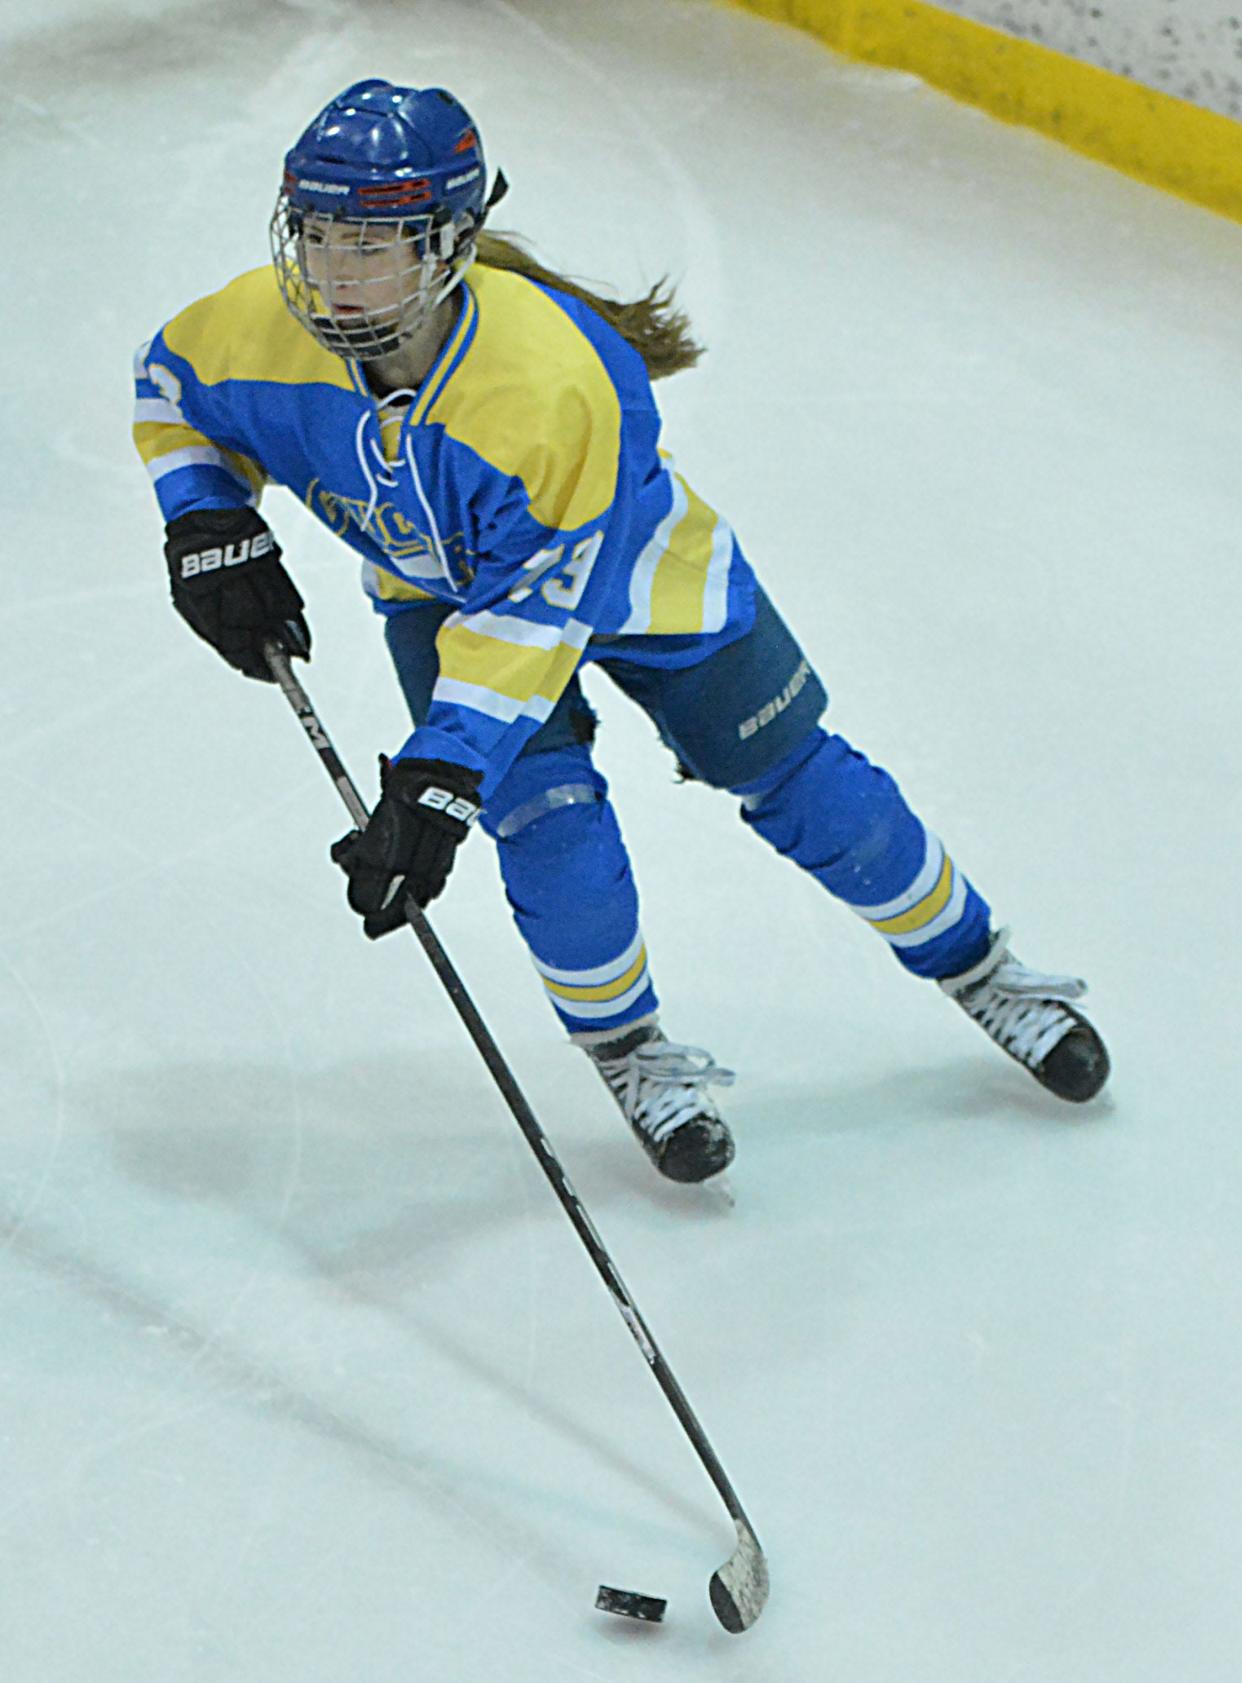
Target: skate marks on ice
[
  {"x": 369, "y": 1215},
  {"x": 32, "y": 1086},
  {"x": 369, "y": 1404},
  {"x": 236, "y": 1396}
]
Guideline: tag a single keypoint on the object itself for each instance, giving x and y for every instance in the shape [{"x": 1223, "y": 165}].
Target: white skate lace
[
  {"x": 1022, "y": 1010},
  {"x": 661, "y": 1086}
]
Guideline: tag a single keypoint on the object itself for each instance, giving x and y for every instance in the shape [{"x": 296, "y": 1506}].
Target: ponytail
[{"x": 652, "y": 324}]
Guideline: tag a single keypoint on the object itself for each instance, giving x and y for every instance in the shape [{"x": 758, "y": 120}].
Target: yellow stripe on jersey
[
  {"x": 379, "y": 582},
  {"x": 680, "y": 582},
  {"x": 605, "y": 990},
  {"x": 158, "y": 439},
  {"x": 929, "y": 907},
  {"x": 244, "y": 332},
  {"x": 447, "y": 357},
  {"x": 533, "y": 399},
  {"x": 517, "y": 670},
  {"x": 390, "y": 421}
]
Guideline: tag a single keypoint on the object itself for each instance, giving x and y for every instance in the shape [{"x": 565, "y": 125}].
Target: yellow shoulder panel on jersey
[
  {"x": 532, "y": 397},
  {"x": 244, "y": 332}
]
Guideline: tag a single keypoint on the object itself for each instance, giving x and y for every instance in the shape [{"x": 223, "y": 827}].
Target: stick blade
[{"x": 739, "y": 1590}]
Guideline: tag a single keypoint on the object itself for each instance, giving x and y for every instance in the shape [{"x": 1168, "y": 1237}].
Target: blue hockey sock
[
  {"x": 826, "y": 807},
  {"x": 569, "y": 884}
]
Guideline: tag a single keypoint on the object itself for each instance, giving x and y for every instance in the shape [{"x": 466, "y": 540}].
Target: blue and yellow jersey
[{"x": 523, "y": 483}]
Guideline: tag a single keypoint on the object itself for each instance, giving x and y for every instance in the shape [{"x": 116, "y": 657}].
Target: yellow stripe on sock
[
  {"x": 929, "y": 907},
  {"x": 606, "y": 990}
]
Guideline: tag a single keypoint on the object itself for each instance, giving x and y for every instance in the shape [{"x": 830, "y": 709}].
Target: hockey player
[{"x": 483, "y": 433}]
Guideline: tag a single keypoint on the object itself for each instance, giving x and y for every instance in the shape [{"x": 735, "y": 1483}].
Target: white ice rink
[{"x": 304, "y": 1377}]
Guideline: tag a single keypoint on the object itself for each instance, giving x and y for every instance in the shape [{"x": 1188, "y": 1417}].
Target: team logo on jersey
[
  {"x": 395, "y": 533},
  {"x": 384, "y": 522}
]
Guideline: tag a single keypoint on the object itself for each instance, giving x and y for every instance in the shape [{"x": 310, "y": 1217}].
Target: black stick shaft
[{"x": 512, "y": 1094}]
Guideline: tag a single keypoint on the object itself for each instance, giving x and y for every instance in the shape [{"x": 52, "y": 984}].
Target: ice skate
[
  {"x": 1029, "y": 1016},
  {"x": 661, "y": 1089}
]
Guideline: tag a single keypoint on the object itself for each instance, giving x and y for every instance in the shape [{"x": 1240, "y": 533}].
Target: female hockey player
[{"x": 483, "y": 433}]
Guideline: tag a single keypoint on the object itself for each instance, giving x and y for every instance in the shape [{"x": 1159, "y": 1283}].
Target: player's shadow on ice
[
  {"x": 377, "y": 1176},
  {"x": 384, "y": 1130},
  {"x": 982, "y": 1092},
  {"x": 374, "y": 1205},
  {"x": 224, "y": 1367}
]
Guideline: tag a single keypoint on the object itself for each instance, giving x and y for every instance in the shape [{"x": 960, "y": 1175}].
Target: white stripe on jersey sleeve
[
  {"x": 195, "y": 455},
  {"x": 158, "y": 409},
  {"x": 523, "y": 633},
  {"x": 505, "y": 708}
]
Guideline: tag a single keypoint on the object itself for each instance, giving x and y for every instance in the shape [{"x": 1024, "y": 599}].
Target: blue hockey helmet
[{"x": 381, "y": 204}]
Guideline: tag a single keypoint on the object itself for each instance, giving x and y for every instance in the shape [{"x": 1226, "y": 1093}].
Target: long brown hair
[{"x": 652, "y": 324}]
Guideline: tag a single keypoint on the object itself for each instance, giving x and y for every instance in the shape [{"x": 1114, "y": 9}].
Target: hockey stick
[{"x": 739, "y": 1588}]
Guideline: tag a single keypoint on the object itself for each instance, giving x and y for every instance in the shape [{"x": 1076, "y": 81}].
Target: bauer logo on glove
[
  {"x": 232, "y": 555},
  {"x": 452, "y": 806},
  {"x": 408, "y": 847},
  {"x": 229, "y": 586}
]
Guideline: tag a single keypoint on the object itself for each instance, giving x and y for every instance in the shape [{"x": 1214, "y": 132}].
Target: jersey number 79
[{"x": 558, "y": 581}]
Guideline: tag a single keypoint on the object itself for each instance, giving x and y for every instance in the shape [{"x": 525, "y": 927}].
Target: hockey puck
[{"x": 630, "y": 1605}]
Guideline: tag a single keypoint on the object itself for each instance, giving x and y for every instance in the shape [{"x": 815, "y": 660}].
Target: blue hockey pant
[{"x": 745, "y": 719}]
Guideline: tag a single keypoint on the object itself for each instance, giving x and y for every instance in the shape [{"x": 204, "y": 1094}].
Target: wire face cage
[{"x": 363, "y": 287}]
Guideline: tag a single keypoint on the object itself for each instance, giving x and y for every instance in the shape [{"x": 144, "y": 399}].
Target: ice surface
[{"x": 304, "y": 1376}]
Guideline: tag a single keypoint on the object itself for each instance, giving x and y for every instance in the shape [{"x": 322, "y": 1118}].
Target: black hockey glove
[
  {"x": 408, "y": 847},
  {"x": 229, "y": 586}
]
